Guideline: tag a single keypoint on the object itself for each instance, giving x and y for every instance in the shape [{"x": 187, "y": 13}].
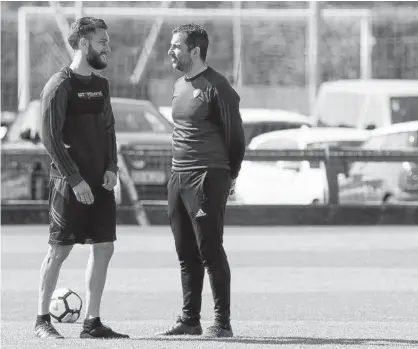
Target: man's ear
[
  {"x": 83, "y": 45},
  {"x": 196, "y": 51}
]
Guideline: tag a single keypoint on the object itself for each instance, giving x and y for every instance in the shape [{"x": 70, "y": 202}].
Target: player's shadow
[{"x": 291, "y": 340}]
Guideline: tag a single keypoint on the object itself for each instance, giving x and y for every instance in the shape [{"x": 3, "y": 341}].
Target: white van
[{"x": 366, "y": 104}]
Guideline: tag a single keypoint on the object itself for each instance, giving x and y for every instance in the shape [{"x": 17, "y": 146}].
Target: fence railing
[{"x": 335, "y": 160}]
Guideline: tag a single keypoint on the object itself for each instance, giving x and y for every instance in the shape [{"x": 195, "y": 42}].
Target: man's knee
[
  {"x": 213, "y": 256},
  {"x": 210, "y": 242},
  {"x": 58, "y": 253},
  {"x": 103, "y": 249},
  {"x": 191, "y": 263}
]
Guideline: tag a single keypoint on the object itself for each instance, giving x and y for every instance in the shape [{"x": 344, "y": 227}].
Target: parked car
[
  {"x": 384, "y": 182},
  {"x": 259, "y": 121},
  {"x": 7, "y": 118},
  {"x": 144, "y": 142},
  {"x": 366, "y": 104},
  {"x": 291, "y": 182}
]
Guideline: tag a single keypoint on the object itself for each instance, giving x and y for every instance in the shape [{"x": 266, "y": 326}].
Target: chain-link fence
[{"x": 273, "y": 59}]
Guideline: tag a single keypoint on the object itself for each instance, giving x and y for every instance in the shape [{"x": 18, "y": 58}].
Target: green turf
[{"x": 309, "y": 287}]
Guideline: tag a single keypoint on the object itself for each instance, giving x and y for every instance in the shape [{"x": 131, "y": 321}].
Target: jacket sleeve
[
  {"x": 227, "y": 104},
  {"x": 112, "y": 158},
  {"x": 54, "y": 101}
]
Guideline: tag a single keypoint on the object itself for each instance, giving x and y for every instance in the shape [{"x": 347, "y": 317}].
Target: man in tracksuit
[{"x": 208, "y": 148}]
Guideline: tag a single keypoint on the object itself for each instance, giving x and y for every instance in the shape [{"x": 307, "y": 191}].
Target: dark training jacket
[
  {"x": 208, "y": 130},
  {"x": 78, "y": 127}
]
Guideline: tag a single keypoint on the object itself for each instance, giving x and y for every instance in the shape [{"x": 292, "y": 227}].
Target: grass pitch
[{"x": 297, "y": 287}]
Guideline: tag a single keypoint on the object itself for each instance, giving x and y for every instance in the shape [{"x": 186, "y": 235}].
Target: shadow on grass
[{"x": 288, "y": 340}]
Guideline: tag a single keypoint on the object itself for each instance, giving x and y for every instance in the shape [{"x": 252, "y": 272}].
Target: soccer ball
[{"x": 65, "y": 306}]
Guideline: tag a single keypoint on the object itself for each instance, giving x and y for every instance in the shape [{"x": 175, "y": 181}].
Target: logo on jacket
[
  {"x": 90, "y": 95},
  {"x": 196, "y": 93}
]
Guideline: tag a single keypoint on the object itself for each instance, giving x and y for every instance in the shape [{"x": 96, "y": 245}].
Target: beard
[
  {"x": 94, "y": 59},
  {"x": 183, "y": 64}
]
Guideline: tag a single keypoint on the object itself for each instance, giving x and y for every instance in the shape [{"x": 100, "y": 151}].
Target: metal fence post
[{"x": 331, "y": 169}]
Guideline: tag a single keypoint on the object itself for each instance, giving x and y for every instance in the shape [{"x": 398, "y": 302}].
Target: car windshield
[
  {"x": 404, "y": 109},
  {"x": 131, "y": 117}
]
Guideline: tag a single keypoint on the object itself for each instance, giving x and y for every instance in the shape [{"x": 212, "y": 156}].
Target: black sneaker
[
  {"x": 102, "y": 332},
  {"x": 181, "y": 328},
  {"x": 218, "y": 331},
  {"x": 45, "y": 330}
]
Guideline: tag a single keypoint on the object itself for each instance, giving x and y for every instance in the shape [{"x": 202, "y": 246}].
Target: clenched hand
[
  {"x": 109, "y": 180},
  {"x": 232, "y": 189}
]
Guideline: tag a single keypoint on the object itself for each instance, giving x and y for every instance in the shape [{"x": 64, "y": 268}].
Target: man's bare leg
[
  {"x": 49, "y": 274},
  {"x": 96, "y": 272}
]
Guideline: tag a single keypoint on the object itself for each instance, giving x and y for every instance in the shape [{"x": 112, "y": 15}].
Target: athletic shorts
[{"x": 71, "y": 222}]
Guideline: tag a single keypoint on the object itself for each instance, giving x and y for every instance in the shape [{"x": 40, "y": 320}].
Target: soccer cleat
[
  {"x": 47, "y": 331},
  {"x": 181, "y": 328},
  {"x": 218, "y": 331},
  {"x": 102, "y": 332}
]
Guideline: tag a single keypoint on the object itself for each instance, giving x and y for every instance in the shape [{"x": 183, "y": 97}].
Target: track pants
[{"x": 196, "y": 210}]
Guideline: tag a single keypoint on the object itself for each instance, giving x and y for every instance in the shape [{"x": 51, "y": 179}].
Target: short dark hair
[
  {"x": 196, "y": 37},
  {"x": 83, "y": 28}
]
